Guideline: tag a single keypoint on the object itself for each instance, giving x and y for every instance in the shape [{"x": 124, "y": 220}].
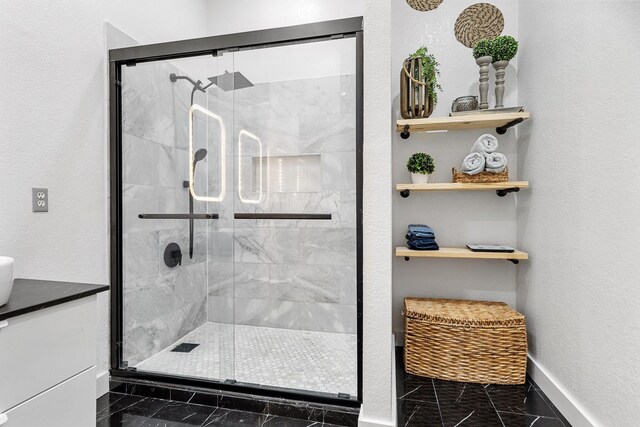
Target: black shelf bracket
[
  {"x": 405, "y": 134},
  {"x": 405, "y": 193},
  {"x": 503, "y": 129},
  {"x": 407, "y": 258},
  {"x": 515, "y": 261},
  {"x": 503, "y": 192}
]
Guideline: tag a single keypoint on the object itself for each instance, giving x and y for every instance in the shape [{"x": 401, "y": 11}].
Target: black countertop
[{"x": 33, "y": 295}]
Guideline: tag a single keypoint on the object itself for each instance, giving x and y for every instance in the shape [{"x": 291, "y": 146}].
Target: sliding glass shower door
[{"x": 239, "y": 217}]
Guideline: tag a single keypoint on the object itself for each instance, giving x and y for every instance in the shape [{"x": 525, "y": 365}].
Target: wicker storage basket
[
  {"x": 481, "y": 177},
  {"x": 470, "y": 341}
]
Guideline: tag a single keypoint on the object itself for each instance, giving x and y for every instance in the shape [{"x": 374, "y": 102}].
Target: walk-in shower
[{"x": 236, "y": 211}]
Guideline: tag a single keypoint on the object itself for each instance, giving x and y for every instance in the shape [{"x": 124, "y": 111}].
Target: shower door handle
[{"x": 285, "y": 216}]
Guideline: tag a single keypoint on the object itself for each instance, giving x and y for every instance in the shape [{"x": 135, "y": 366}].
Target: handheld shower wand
[{"x": 198, "y": 156}]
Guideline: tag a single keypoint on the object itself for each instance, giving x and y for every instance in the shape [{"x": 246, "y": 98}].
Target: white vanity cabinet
[{"x": 47, "y": 366}]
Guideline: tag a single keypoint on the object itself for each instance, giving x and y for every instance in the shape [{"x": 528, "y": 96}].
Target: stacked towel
[
  {"x": 486, "y": 144},
  {"x": 473, "y": 164},
  {"x": 496, "y": 162},
  {"x": 484, "y": 157},
  {"x": 421, "y": 237}
]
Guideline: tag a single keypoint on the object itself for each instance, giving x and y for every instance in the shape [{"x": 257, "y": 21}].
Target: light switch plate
[{"x": 40, "y": 199}]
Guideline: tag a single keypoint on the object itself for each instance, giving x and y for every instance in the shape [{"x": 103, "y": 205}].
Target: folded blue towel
[
  {"x": 423, "y": 246},
  {"x": 419, "y": 228},
  {"x": 419, "y": 235},
  {"x": 422, "y": 241}
]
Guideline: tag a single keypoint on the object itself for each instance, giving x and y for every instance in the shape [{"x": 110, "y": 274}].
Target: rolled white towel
[
  {"x": 486, "y": 144},
  {"x": 473, "y": 164},
  {"x": 496, "y": 162}
]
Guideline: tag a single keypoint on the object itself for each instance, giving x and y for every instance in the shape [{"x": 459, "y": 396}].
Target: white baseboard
[
  {"x": 102, "y": 383},
  {"x": 370, "y": 422},
  {"x": 564, "y": 401}
]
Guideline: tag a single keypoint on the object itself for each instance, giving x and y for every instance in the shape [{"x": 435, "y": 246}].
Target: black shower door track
[{"x": 343, "y": 28}]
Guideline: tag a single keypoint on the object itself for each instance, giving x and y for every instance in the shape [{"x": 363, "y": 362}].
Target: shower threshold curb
[{"x": 308, "y": 411}]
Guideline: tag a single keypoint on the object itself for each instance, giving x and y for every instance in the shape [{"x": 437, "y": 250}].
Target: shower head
[
  {"x": 230, "y": 81},
  {"x": 200, "y": 155}
]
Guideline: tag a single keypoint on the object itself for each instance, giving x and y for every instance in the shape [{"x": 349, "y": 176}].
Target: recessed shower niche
[
  {"x": 248, "y": 161},
  {"x": 287, "y": 174}
]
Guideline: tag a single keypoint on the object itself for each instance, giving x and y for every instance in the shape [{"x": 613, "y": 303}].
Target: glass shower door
[{"x": 294, "y": 213}]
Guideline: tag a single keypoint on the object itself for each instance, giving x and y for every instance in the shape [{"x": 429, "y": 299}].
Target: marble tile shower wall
[
  {"x": 161, "y": 304},
  {"x": 290, "y": 274}
]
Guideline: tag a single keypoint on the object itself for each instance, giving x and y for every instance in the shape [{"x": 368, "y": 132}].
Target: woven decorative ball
[
  {"x": 424, "y": 5},
  {"x": 478, "y": 21}
]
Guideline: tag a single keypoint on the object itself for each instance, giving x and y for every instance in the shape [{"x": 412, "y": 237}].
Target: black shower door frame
[{"x": 118, "y": 58}]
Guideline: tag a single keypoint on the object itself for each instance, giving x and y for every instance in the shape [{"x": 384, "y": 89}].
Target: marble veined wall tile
[
  {"x": 139, "y": 160},
  {"x": 331, "y": 246},
  {"x": 320, "y": 96},
  {"x": 328, "y": 133},
  {"x": 267, "y": 245},
  {"x": 339, "y": 171},
  {"x": 148, "y": 299},
  {"x": 140, "y": 251},
  {"x": 314, "y": 316},
  {"x": 137, "y": 199},
  {"x": 305, "y": 283},
  {"x": 173, "y": 166},
  {"x": 191, "y": 284}
]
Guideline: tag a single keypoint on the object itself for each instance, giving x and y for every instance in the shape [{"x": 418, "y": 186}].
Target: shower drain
[{"x": 185, "y": 347}]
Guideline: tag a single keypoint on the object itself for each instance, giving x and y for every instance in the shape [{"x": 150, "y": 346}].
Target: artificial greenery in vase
[
  {"x": 504, "y": 49},
  {"x": 484, "y": 47},
  {"x": 421, "y": 165},
  {"x": 430, "y": 71},
  {"x": 482, "y": 52}
]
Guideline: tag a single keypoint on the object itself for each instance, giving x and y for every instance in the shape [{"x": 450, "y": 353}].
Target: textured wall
[
  {"x": 580, "y": 220},
  {"x": 458, "y": 218},
  {"x": 378, "y": 389}
]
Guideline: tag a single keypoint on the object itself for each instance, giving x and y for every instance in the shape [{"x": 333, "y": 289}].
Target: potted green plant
[
  {"x": 419, "y": 84},
  {"x": 421, "y": 165},
  {"x": 504, "y": 49},
  {"x": 482, "y": 52}
]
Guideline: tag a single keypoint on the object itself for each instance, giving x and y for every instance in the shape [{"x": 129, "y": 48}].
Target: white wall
[
  {"x": 458, "y": 218},
  {"x": 53, "y": 131},
  {"x": 226, "y": 17},
  {"x": 378, "y": 385},
  {"x": 580, "y": 220}
]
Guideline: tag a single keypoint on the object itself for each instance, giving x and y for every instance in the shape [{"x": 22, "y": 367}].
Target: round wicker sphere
[
  {"x": 424, "y": 5},
  {"x": 478, "y": 21}
]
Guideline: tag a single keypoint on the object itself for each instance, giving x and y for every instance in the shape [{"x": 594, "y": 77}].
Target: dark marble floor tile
[
  {"x": 147, "y": 390},
  {"x": 302, "y": 411},
  {"x": 465, "y": 404},
  {"x": 242, "y": 404},
  {"x": 180, "y": 414},
  {"x": 519, "y": 399},
  {"x": 341, "y": 418},
  {"x": 518, "y": 420},
  {"x": 412, "y": 413},
  {"x": 207, "y": 399},
  {"x": 230, "y": 418},
  {"x": 417, "y": 388},
  {"x": 129, "y": 409},
  {"x": 555, "y": 410},
  {"x": 182, "y": 395}
]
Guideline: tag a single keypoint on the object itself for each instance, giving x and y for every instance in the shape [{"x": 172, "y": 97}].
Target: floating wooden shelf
[
  {"x": 501, "y": 188},
  {"x": 501, "y": 122},
  {"x": 461, "y": 253}
]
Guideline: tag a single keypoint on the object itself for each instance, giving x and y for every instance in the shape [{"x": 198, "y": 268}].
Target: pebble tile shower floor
[{"x": 304, "y": 360}]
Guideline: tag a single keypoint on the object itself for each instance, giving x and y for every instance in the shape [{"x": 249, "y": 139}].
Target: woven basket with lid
[{"x": 470, "y": 341}]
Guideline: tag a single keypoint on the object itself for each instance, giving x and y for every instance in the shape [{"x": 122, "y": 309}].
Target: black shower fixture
[
  {"x": 230, "y": 81},
  {"x": 198, "y": 156}
]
